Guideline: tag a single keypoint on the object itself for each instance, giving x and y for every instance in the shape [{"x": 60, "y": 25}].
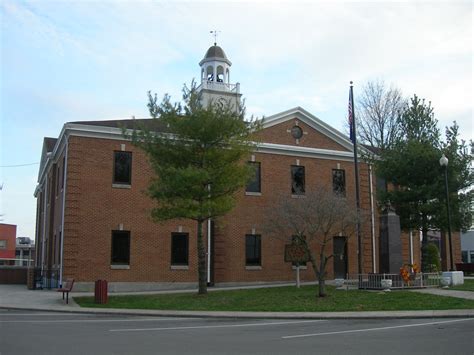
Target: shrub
[{"x": 433, "y": 258}]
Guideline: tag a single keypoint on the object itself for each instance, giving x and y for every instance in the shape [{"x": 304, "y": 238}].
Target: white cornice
[
  {"x": 304, "y": 116},
  {"x": 53, "y": 156},
  {"x": 82, "y": 130},
  {"x": 281, "y": 149},
  {"x": 93, "y": 131}
]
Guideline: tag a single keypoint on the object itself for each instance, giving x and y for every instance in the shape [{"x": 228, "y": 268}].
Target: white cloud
[{"x": 95, "y": 60}]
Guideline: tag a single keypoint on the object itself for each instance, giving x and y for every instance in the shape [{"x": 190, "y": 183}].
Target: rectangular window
[
  {"x": 254, "y": 184},
  {"x": 253, "y": 250},
  {"x": 120, "y": 248},
  {"x": 122, "y": 168},
  {"x": 179, "y": 248},
  {"x": 464, "y": 256},
  {"x": 297, "y": 180},
  {"x": 3, "y": 244},
  {"x": 472, "y": 256},
  {"x": 339, "y": 182}
]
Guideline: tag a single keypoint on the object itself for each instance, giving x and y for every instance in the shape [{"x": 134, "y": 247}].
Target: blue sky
[{"x": 88, "y": 60}]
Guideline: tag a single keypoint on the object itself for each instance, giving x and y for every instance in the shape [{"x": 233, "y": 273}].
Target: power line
[{"x": 18, "y": 165}]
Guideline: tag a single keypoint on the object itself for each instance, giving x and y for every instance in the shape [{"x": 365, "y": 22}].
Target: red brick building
[
  {"x": 7, "y": 243},
  {"x": 93, "y": 217}
]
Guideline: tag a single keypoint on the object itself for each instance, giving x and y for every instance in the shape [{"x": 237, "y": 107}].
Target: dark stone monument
[{"x": 390, "y": 241}]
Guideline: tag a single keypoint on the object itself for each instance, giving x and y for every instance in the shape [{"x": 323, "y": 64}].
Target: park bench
[{"x": 67, "y": 288}]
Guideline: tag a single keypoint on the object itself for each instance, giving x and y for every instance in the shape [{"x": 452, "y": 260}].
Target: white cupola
[
  {"x": 215, "y": 78},
  {"x": 215, "y": 66}
]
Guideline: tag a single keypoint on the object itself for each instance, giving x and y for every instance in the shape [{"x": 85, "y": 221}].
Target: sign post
[{"x": 296, "y": 254}]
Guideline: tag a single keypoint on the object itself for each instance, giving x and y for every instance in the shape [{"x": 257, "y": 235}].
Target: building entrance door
[{"x": 340, "y": 257}]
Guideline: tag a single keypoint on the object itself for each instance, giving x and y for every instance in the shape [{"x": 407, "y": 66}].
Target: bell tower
[{"x": 215, "y": 85}]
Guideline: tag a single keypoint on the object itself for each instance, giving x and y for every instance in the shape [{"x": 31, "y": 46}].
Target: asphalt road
[{"x": 26, "y": 332}]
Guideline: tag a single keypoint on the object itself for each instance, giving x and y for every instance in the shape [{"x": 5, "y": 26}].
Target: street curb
[{"x": 461, "y": 313}]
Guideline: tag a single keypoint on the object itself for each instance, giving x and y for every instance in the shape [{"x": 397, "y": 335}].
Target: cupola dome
[
  {"x": 215, "y": 53},
  {"x": 215, "y": 65}
]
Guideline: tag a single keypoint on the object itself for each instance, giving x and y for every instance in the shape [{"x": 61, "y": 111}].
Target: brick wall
[
  {"x": 8, "y": 236},
  {"x": 254, "y": 212},
  {"x": 94, "y": 207}
]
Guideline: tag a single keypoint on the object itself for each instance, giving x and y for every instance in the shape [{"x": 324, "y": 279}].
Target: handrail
[{"x": 220, "y": 86}]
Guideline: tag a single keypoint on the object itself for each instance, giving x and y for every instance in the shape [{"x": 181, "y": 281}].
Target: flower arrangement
[{"x": 406, "y": 274}]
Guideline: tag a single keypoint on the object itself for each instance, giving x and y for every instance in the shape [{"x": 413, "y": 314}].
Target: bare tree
[
  {"x": 377, "y": 112},
  {"x": 313, "y": 220}
]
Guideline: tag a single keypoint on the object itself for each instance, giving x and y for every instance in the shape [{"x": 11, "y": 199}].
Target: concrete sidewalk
[
  {"x": 19, "y": 297},
  {"x": 468, "y": 295}
]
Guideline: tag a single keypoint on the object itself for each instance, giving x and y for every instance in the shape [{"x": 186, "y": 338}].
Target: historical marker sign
[{"x": 296, "y": 253}]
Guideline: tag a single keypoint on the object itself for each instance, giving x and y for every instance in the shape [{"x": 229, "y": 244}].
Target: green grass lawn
[
  {"x": 468, "y": 286},
  {"x": 285, "y": 299}
]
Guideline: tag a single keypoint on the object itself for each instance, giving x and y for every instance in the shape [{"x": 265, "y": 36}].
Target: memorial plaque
[{"x": 296, "y": 253}]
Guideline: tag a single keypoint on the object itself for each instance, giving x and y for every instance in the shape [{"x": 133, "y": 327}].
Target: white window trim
[
  {"x": 179, "y": 267},
  {"x": 122, "y": 186},
  {"x": 120, "y": 267},
  {"x": 253, "y": 267},
  {"x": 253, "y": 193}
]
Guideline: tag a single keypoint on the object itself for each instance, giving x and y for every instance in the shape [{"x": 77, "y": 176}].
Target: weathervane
[{"x": 215, "y": 33}]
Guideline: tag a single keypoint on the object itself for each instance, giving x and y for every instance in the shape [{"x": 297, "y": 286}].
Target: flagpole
[{"x": 356, "y": 170}]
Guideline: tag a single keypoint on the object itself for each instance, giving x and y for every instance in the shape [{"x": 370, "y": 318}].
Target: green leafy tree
[
  {"x": 199, "y": 162},
  {"x": 411, "y": 167},
  {"x": 460, "y": 181},
  {"x": 433, "y": 259},
  {"x": 408, "y": 167},
  {"x": 417, "y": 122}
]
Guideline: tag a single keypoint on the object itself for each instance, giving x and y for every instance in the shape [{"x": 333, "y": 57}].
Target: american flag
[{"x": 351, "y": 117}]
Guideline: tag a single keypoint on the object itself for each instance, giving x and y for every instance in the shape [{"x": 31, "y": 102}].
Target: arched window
[
  {"x": 220, "y": 74},
  {"x": 210, "y": 73}
]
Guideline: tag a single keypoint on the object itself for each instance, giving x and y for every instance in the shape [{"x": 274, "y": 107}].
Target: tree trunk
[
  {"x": 312, "y": 259},
  {"x": 201, "y": 260},
  {"x": 322, "y": 273},
  {"x": 322, "y": 285}
]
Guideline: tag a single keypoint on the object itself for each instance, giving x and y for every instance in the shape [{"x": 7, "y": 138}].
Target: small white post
[{"x": 298, "y": 275}]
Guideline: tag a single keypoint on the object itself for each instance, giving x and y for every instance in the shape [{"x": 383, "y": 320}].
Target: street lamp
[{"x": 444, "y": 162}]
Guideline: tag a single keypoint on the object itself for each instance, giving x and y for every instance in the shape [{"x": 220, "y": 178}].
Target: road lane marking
[
  {"x": 214, "y": 326},
  {"x": 375, "y": 329},
  {"x": 10, "y": 314},
  {"x": 93, "y": 320}
]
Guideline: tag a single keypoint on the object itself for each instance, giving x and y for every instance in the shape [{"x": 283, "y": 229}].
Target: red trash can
[{"x": 100, "y": 293}]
